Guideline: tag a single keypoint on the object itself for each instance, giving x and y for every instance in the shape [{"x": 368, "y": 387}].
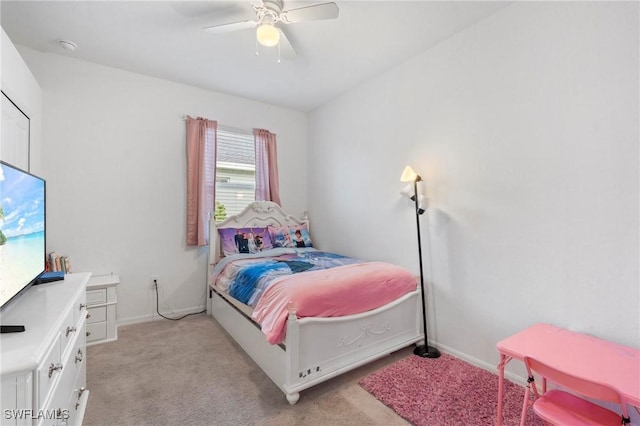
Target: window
[{"x": 235, "y": 172}]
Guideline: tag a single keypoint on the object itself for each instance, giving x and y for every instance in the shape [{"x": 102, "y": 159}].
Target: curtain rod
[{"x": 227, "y": 128}]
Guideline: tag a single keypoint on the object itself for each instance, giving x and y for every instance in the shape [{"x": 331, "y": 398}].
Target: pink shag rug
[{"x": 445, "y": 391}]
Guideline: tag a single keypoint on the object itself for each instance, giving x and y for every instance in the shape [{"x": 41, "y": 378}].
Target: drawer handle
[
  {"x": 80, "y": 392},
  {"x": 88, "y": 315},
  {"x": 71, "y": 330},
  {"x": 82, "y": 306},
  {"x": 79, "y": 356},
  {"x": 88, "y": 333},
  {"x": 54, "y": 368}
]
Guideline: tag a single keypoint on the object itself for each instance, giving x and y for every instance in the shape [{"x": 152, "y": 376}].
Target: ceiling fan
[{"x": 268, "y": 20}]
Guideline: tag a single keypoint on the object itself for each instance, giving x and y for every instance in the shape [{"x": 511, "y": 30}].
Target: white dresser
[
  {"x": 43, "y": 369},
  {"x": 102, "y": 301}
]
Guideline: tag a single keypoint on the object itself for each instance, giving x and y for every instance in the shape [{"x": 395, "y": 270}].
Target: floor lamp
[{"x": 408, "y": 175}]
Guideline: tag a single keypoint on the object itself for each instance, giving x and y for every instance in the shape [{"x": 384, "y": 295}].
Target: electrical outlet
[{"x": 153, "y": 280}]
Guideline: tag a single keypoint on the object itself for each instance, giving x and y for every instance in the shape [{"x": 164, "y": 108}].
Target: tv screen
[{"x": 22, "y": 230}]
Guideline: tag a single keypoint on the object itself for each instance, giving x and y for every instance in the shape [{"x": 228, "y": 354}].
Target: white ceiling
[{"x": 165, "y": 39}]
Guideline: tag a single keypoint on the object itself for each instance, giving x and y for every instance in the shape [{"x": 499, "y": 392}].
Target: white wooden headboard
[{"x": 256, "y": 214}]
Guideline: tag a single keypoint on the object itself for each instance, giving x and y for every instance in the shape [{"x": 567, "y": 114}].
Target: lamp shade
[
  {"x": 422, "y": 204},
  {"x": 408, "y": 175},
  {"x": 268, "y": 35},
  {"x": 407, "y": 191}
]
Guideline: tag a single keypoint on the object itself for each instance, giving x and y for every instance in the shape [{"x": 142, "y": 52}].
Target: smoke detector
[{"x": 68, "y": 45}]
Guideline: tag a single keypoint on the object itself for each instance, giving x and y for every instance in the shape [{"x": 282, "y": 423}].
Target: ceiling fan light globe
[{"x": 268, "y": 35}]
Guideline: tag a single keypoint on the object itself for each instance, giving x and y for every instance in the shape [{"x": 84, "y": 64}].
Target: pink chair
[{"x": 558, "y": 407}]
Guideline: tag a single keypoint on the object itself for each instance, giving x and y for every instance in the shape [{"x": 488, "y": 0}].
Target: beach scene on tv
[{"x": 22, "y": 226}]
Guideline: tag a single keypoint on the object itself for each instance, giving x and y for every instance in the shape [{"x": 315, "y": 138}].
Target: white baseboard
[
  {"x": 522, "y": 381},
  {"x": 175, "y": 313}
]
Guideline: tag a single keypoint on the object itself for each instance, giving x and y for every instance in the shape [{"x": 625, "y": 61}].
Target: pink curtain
[
  {"x": 267, "y": 184},
  {"x": 201, "y": 178}
]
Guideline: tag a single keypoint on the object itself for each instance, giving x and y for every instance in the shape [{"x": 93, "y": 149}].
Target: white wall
[
  {"x": 525, "y": 129},
  {"x": 114, "y": 144},
  {"x": 524, "y": 126},
  {"x": 19, "y": 84}
]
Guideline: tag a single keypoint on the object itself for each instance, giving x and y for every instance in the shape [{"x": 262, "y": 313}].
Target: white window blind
[{"x": 235, "y": 171}]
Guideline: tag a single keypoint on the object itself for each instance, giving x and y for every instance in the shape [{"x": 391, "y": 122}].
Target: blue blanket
[{"x": 251, "y": 279}]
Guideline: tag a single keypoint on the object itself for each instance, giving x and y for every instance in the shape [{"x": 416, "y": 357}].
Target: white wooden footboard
[
  {"x": 321, "y": 348},
  {"x": 318, "y": 349}
]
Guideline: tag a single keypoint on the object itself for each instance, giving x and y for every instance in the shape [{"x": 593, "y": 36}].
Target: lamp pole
[{"x": 424, "y": 351}]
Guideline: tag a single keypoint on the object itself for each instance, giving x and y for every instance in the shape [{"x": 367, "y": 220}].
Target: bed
[{"x": 313, "y": 349}]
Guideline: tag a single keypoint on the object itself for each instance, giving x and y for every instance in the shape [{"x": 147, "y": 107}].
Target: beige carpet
[{"x": 190, "y": 372}]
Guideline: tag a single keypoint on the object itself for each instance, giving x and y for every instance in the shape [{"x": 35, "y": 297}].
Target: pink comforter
[{"x": 344, "y": 290}]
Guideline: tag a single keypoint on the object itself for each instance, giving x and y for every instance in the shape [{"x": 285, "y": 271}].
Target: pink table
[{"x": 575, "y": 353}]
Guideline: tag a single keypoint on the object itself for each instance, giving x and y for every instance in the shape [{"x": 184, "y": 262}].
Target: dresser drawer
[
  {"x": 102, "y": 300},
  {"x": 68, "y": 332},
  {"x": 49, "y": 371},
  {"x": 96, "y": 297},
  {"x": 77, "y": 360},
  {"x": 98, "y": 314},
  {"x": 96, "y": 331},
  {"x": 78, "y": 401},
  {"x": 56, "y": 411},
  {"x": 77, "y": 405},
  {"x": 80, "y": 308}
]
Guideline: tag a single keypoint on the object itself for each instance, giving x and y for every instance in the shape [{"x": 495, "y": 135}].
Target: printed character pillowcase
[
  {"x": 244, "y": 240},
  {"x": 290, "y": 236}
]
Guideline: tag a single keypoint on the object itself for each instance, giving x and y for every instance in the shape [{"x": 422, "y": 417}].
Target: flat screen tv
[{"x": 22, "y": 231}]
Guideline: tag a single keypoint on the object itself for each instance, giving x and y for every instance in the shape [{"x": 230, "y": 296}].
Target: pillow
[
  {"x": 290, "y": 236},
  {"x": 244, "y": 240},
  {"x": 280, "y": 236}
]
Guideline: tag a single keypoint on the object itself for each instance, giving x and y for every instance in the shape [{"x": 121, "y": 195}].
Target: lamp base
[{"x": 425, "y": 351}]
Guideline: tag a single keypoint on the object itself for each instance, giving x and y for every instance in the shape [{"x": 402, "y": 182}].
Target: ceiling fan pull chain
[
  {"x": 257, "y": 54},
  {"x": 279, "y": 52}
]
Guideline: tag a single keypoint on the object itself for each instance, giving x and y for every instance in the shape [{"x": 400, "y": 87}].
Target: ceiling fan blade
[
  {"x": 311, "y": 13},
  {"x": 233, "y": 26},
  {"x": 286, "y": 49}
]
